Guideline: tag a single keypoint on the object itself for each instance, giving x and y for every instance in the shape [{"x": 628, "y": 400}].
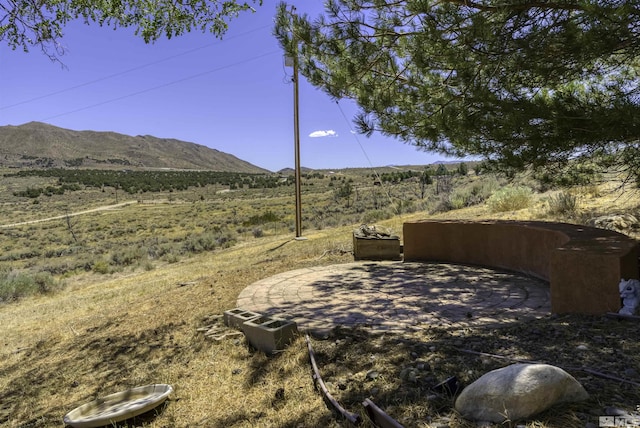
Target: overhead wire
[
  {"x": 130, "y": 70},
  {"x": 355, "y": 135},
  {"x": 164, "y": 85}
]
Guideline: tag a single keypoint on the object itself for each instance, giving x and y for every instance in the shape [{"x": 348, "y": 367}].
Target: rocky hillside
[{"x": 36, "y": 144}]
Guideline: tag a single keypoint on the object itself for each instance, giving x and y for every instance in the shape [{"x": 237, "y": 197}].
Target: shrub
[
  {"x": 225, "y": 239},
  {"x": 101, "y": 267},
  {"x": 127, "y": 256},
  {"x": 257, "y": 232},
  {"x": 482, "y": 190},
  {"x": 266, "y": 217},
  {"x": 170, "y": 258},
  {"x": 403, "y": 206},
  {"x": 467, "y": 195},
  {"x": 45, "y": 282},
  {"x": 208, "y": 241},
  {"x": 29, "y": 193},
  {"x": 462, "y": 169},
  {"x": 457, "y": 200},
  {"x": 374, "y": 216},
  {"x": 14, "y": 285},
  {"x": 510, "y": 199},
  {"x": 199, "y": 243},
  {"x": 575, "y": 174},
  {"x": 563, "y": 203}
]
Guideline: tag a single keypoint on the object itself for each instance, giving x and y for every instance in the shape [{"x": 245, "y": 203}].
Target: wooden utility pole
[
  {"x": 296, "y": 130},
  {"x": 296, "y": 135}
]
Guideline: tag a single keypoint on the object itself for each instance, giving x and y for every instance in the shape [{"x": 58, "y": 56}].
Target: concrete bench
[{"x": 583, "y": 265}]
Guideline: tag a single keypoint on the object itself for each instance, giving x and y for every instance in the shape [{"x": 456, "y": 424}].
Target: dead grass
[
  {"x": 100, "y": 336},
  {"x": 399, "y": 372},
  {"x": 104, "y": 333}
]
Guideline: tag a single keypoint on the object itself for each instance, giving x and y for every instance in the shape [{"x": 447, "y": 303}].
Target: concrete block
[
  {"x": 269, "y": 334},
  {"x": 234, "y": 318}
]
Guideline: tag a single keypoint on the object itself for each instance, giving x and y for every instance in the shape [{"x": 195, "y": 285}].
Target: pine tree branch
[{"x": 517, "y": 7}]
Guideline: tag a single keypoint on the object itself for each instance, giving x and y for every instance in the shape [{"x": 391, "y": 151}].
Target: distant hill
[
  {"x": 291, "y": 171},
  {"x": 36, "y": 144}
]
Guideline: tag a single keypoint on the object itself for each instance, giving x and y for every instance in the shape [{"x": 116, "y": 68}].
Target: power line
[
  {"x": 164, "y": 85},
  {"x": 364, "y": 152},
  {"x": 120, "y": 73}
]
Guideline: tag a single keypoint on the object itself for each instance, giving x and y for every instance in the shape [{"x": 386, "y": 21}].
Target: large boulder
[{"x": 517, "y": 392}]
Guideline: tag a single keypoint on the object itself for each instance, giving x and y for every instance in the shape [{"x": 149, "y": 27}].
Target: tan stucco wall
[{"x": 582, "y": 264}]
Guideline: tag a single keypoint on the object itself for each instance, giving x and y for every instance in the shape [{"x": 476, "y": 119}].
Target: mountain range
[{"x": 37, "y": 144}]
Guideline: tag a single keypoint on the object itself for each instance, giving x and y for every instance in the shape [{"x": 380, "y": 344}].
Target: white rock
[{"x": 518, "y": 391}]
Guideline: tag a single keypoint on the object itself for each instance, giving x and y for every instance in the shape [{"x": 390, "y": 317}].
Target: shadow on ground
[
  {"x": 48, "y": 380},
  {"x": 400, "y": 372},
  {"x": 400, "y": 296},
  {"x": 395, "y": 369}
]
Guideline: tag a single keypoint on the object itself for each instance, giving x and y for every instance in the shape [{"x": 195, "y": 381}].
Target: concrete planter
[
  {"x": 269, "y": 334},
  {"x": 234, "y": 318},
  {"x": 386, "y": 248}
]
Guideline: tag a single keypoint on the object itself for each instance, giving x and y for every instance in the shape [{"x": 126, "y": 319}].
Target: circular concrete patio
[{"x": 397, "y": 296}]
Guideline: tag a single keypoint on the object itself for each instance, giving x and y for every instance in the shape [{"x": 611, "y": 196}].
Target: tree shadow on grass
[
  {"x": 49, "y": 380},
  {"x": 393, "y": 331},
  {"x": 259, "y": 419},
  {"x": 399, "y": 372}
]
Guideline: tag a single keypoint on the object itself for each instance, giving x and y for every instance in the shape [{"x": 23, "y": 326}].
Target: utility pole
[
  {"x": 296, "y": 136},
  {"x": 296, "y": 131}
]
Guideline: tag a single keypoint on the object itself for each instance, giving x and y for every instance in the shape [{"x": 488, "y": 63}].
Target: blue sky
[{"x": 234, "y": 95}]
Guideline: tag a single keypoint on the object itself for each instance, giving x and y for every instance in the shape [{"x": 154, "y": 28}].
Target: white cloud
[{"x": 327, "y": 133}]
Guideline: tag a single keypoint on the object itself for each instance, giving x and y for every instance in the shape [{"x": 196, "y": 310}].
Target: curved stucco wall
[{"x": 583, "y": 265}]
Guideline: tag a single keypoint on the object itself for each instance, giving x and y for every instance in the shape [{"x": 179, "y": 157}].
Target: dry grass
[
  {"x": 406, "y": 367},
  {"x": 104, "y": 333},
  {"x": 99, "y": 336}
]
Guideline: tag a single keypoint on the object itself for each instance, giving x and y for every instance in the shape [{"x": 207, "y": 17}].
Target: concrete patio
[{"x": 397, "y": 296}]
